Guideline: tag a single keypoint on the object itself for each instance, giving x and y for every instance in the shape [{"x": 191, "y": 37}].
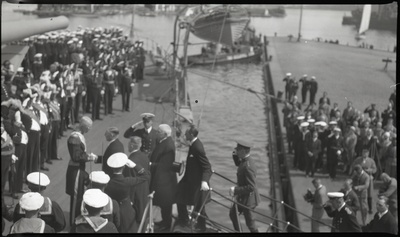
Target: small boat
[{"x": 366, "y": 16}]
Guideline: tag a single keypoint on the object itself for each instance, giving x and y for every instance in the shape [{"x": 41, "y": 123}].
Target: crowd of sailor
[{"x": 326, "y": 139}]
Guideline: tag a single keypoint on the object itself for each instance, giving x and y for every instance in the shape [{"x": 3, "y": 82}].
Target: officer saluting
[
  {"x": 344, "y": 218},
  {"x": 148, "y": 134},
  {"x": 246, "y": 189}
]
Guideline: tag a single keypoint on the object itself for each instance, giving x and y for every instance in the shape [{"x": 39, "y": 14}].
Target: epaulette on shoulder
[{"x": 74, "y": 139}]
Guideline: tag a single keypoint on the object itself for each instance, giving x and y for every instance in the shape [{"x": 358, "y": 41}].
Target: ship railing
[
  {"x": 282, "y": 203},
  {"x": 148, "y": 216}
]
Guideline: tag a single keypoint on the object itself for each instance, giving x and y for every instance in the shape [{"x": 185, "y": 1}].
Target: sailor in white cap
[
  {"x": 289, "y": 81},
  {"x": 50, "y": 211},
  {"x": 114, "y": 146},
  {"x": 95, "y": 200},
  {"x": 344, "y": 218},
  {"x": 163, "y": 178},
  {"x": 313, "y": 86},
  {"x": 301, "y": 142},
  {"x": 118, "y": 188},
  {"x": 304, "y": 88},
  {"x": 99, "y": 180},
  {"x": 334, "y": 151},
  {"x": 246, "y": 187},
  {"x": 30, "y": 203},
  {"x": 147, "y": 133},
  {"x": 194, "y": 181},
  {"x": 76, "y": 168}
]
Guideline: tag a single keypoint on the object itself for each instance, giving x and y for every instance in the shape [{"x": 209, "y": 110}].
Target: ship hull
[{"x": 201, "y": 60}]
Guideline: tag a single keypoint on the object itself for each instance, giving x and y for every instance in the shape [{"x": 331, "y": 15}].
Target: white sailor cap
[
  {"x": 98, "y": 63},
  {"x": 117, "y": 160},
  {"x": 311, "y": 120},
  {"x": 31, "y": 201},
  {"x": 38, "y": 55},
  {"x": 121, "y": 64},
  {"x": 332, "y": 123},
  {"x": 97, "y": 36},
  {"x": 95, "y": 198},
  {"x": 99, "y": 177},
  {"x": 335, "y": 195},
  {"x": 95, "y": 39},
  {"x": 75, "y": 39},
  {"x": 288, "y": 74},
  {"x": 321, "y": 123},
  {"x": 38, "y": 178},
  {"x": 147, "y": 116},
  {"x": 101, "y": 55},
  {"x": 42, "y": 37},
  {"x": 26, "y": 40},
  {"x": 352, "y": 128},
  {"x": 70, "y": 42},
  {"x": 20, "y": 69},
  {"x": 337, "y": 129},
  {"x": 113, "y": 39},
  {"x": 304, "y": 124},
  {"x": 301, "y": 117},
  {"x": 80, "y": 42},
  {"x": 313, "y": 78},
  {"x": 244, "y": 143},
  {"x": 305, "y": 75}
]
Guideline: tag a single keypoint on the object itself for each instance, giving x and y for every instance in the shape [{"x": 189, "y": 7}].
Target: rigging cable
[{"x": 213, "y": 65}]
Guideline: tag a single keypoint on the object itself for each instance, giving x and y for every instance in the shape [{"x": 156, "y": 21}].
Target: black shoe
[
  {"x": 99, "y": 119},
  {"x": 44, "y": 168},
  {"x": 370, "y": 212},
  {"x": 127, "y": 110},
  {"x": 49, "y": 162}
]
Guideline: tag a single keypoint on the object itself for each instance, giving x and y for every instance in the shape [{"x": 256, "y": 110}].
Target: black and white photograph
[{"x": 198, "y": 118}]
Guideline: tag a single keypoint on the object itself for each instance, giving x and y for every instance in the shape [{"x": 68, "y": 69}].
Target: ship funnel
[{"x": 16, "y": 30}]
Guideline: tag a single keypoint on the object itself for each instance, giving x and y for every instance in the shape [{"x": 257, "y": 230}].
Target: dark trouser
[
  {"x": 369, "y": 199},
  {"x": 303, "y": 95},
  {"x": 89, "y": 97},
  {"x": 125, "y": 99},
  {"x": 78, "y": 100},
  {"x": 52, "y": 151},
  {"x": 312, "y": 97},
  {"x": 332, "y": 163},
  {"x": 108, "y": 98},
  {"x": 33, "y": 152},
  {"x": 74, "y": 212},
  {"x": 20, "y": 166},
  {"x": 44, "y": 142},
  {"x": 183, "y": 213},
  {"x": 310, "y": 165},
  {"x": 63, "y": 108},
  {"x": 248, "y": 216},
  {"x": 5, "y": 166},
  {"x": 96, "y": 97},
  {"x": 289, "y": 137},
  {"x": 166, "y": 214},
  {"x": 301, "y": 158},
  {"x": 287, "y": 92},
  {"x": 319, "y": 162}
]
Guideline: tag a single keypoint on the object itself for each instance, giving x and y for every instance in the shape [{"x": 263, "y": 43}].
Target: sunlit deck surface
[{"x": 346, "y": 73}]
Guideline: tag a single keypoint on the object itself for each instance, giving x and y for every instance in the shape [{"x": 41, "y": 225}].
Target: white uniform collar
[{"x": 383, "y": 213}]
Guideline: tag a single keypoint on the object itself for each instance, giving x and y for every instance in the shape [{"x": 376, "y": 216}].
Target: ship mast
[{"x": 301, "y": 18}]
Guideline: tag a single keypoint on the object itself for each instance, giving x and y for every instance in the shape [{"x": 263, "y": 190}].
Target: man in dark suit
[
  {"x": 114, "y": 146},
  {"x": 163, "y": 178},
  {"x": 147, "y": 133},
  {"x": 350, "y": 197},
  {"x": 344, "y": 219},
  {"x": 139, "y": 194},
  {"x": 334, "y": 151},
  {"x": 246, "y": 190},
  {"x": 383, "y": 221},
  {"x": 313, "y": 148},
  {"x": 125, "y": 84},
  {"x": 193, "y": 187}
]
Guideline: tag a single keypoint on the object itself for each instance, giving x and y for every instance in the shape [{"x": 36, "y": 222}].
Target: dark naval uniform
[
  {"x": 246, "y": 192},
  {"x": 76, "y": 177},
  {"x": 148, "y": 139},
  {"x": 344, "y": 220},
  {"x": 119, "y": 189},
  {"x": 92, "y": 224},
  {"x": 50, "y": 212}
]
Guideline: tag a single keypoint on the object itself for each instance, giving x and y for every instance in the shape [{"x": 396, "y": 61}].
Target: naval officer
[
  {"x": 246, "y": 190},
  {"x": 147, "y": 133},
  {"x": 344, "y": 218}
]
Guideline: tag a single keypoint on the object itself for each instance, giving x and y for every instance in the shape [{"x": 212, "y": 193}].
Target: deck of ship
[{"x": 346, "y": 73}]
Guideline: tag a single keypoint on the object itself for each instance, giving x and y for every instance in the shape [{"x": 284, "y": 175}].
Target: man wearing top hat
[
  {"x": 114, "y": 146},
  {"x": 344, "y": 219},
  {"x": 163, "y": 178},
  {"x": 76, "y": 176},
  {"x": 119, "y": 188},
  {"x": 139, "y": 194},
  {"x": 99, "y": 180},
  {"x": 95, "y": 200},
  {"x": 194, "y": 185},
  {"x": 50, "y": 211},
  {"x": 147, "y": 133},
  {"x": 246, "y": 191},
  {"x": 31, "y": 203}
]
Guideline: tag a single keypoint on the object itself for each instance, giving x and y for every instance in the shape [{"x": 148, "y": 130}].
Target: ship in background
[{"x": 385, "y": 18}]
